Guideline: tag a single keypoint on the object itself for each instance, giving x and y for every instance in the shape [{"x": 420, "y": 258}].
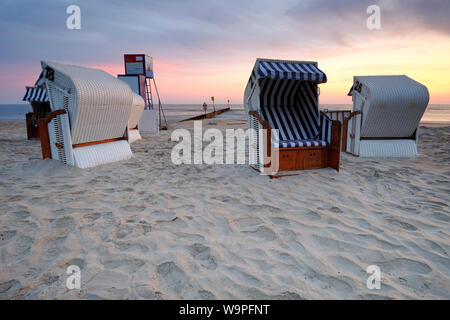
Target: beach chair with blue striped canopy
[
  {"x": 37, "y": 97},
  {"x": 288, "y": 130}
]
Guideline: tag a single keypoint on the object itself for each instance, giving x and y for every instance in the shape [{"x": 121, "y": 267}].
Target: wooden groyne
[{"x": 206, "y": 116}]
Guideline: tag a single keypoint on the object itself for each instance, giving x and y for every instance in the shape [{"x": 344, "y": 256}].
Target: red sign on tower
[{"x": 136, "y": 64}]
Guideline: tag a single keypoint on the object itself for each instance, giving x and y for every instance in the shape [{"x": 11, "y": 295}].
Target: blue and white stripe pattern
[
  {"x": 325, "y": 128},
  {"x": 299, "y": 143},
  {"x": 36, "y": 94},
  {"x": 273, "y": 69},
  {"x": 291, "y": 107},
  {"x": 41, "y": 80},
  {"x": 253, "y": 80}
]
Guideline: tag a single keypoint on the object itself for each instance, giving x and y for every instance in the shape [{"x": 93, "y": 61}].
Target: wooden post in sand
[
  {"x": 214, "y": 107},
  {"x": 205, "y": 106}
]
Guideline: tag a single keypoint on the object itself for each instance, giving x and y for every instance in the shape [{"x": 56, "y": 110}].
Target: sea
[{"x": 436, "y": 114}]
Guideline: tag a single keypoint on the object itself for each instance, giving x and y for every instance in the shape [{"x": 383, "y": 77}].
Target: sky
[{"x": 204, "y": 48}]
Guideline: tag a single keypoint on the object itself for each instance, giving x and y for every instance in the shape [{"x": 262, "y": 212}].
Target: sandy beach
[{"x": 148, "y": 229}]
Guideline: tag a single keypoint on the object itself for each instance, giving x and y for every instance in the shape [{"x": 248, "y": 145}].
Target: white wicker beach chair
[
  {"x": 386, "y": 116},
  {"x": 136, "y": 113},
  {"x": 282, "y": 98},
  {"x": 91, "y": 110}
]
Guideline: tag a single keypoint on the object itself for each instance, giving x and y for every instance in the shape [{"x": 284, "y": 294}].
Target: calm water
[
  {"x": 14, "y": 112},
  {"x": 435, "y": 113}
]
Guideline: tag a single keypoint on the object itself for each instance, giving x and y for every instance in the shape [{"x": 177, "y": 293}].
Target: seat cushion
[{"x": 299, "y": 143}]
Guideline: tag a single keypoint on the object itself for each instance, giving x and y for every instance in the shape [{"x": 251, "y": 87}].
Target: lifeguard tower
[{"x": 139, "y": 75}]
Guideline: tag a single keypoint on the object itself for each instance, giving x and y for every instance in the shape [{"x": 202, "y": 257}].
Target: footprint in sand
[
  {"x": 441, "y": 216},
  {"x": 22, "y": 246},
  {"x": 132, "y": 209},
  {"x": 279, "y": 221},
  {"x": 22, "y": 214},
  {"x": 346, "y": 265},
  {"x": 8, "y": 288},
  {"x": 173, "y": 276},
  {"x": 206, "y": 295},
  {"x": 287, "y": 295},
  {"x": 16, "y": 197},
  {"x": 225, "y": 199},
  {"x": 241, "y": 276},
  {"x": 64, "y": 225},
  {"x": 128, "y": 264},
  {"x": 148, "y": 293},
  {"x": 401, "y": 224},
  {"x": 287, "y": 262},
  {"x": 314, "y": 216},
  {"x": 337, "y": 286},
  {"x": 90, "y": 218},
  {"x": 77, "y": 262},
  {"x": 143, "y": 227},
  {"x": 263, "y": 209},
  {"x": 336, "y": 210},
  {"x": 6, "y": 236},
  {"x": 190, "y": 236},
  {"x": 107, "y": 284},
  {"x": 202, "y": 254},
  {"x": 404, "y": 266},
  {"x": 248, "y": 222},
  {"x": 131, "y": 246},
  {"x": 263, "y": 233},
  {"x": 124, "y": 230},
  {"x": 325, "y": 243},
  {"x": 163, "y": 215},
  {"x": 436, "y": 247}
]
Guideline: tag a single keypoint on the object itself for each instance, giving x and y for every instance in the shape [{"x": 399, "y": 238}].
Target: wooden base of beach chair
[
  {"x": 295, "y": 159},
  {"x": 305, "y": 158},
  {"x": 289, "y": 159}
]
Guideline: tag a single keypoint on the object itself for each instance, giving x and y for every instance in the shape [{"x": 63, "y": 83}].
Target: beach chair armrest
[
  {"x": 345, "y": 128},
  {"x": 351, "y": 115},
  {"x": 335, "y": 143},
  {"x": 267, "y": 138},
  {"x": 264, "y": 123},
  {"x": 43, "y": 132}
]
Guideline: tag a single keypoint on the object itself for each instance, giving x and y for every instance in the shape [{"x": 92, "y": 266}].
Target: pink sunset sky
[{"x": 208, "y": 48}]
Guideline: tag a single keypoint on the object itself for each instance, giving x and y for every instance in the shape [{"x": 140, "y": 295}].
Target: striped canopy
[
  {"x": 41, "y": 80},
  {"x": 285, "y": 94},
  {"x": 35, "y": 94},
  {"x": 276, "y": 69},
  {"x": 291, "y": 107}
]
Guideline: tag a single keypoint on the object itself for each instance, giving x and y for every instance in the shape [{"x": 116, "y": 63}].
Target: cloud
[
  {"x": 398, "y": 16},
  {"x": 196, "y": 29},
  {"x": 200, "y": 37}
]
